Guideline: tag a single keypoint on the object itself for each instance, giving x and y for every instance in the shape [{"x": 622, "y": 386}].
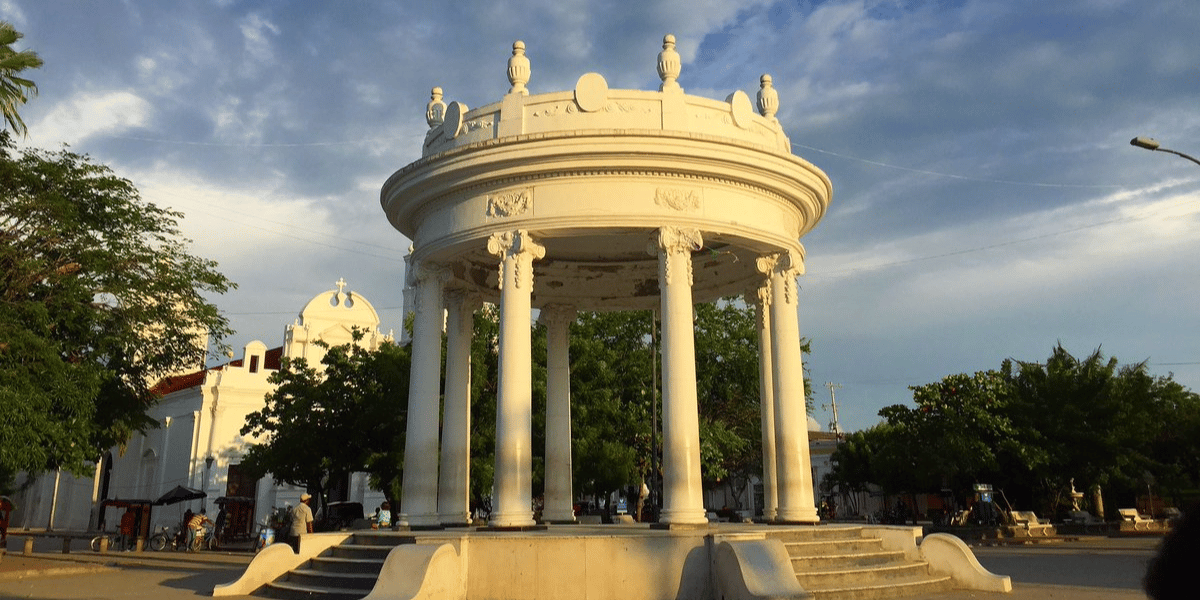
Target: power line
[{"x": 961, "y": 177}]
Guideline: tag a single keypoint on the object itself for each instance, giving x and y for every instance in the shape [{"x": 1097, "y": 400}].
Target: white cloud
[
  {"x": 256, "y": 34},
  {"x": 91, "y": 113},
  {"x": 12, "y": 13}
]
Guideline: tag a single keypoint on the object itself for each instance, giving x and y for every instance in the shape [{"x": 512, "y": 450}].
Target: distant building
[{"x": 198, "y": 443}]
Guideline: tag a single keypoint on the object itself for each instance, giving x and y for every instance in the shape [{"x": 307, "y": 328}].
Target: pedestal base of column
[
  {"x": 517, "y": 520},
  {"x": 683, "y": 517},
  {"x": 421, "y": 521},
  {"x": 681, "y": 526},
  {"x": 454, "y": 519},
  {"x": 513, "y": 528},
  {"x": 559, "y": 518},
  {"x": 797, "y": 517}
]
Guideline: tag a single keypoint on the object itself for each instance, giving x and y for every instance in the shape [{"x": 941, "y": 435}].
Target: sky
[{"x": 987, "y": 203}]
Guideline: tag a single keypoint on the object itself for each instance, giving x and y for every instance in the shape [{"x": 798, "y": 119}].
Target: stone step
[
  {"x": 898, "y": 588},
  {"x": 860, "y": 576},
  {"x": 809, "y": 534},
  {"x": 327, "y": 579},
  {"x": 833, "y": 546},
  {"x": 380, "y": 538},
  {"x": 291, "y": 591},
  {"x": 859, "y": 559},
  {"x": 362, "y": 552},
  {"x": 334, "y": 564}
]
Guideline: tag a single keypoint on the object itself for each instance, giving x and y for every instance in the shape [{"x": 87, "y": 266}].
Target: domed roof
[{"x": 340, "y": 306}]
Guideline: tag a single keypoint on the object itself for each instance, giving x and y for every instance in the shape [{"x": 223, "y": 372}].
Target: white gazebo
[{"x": 599, "y": 199}]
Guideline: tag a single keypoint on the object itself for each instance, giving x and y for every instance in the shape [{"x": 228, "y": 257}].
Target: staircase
[
  {"x": 838, "y": 563},
  {"x": 344, "y": 572}
]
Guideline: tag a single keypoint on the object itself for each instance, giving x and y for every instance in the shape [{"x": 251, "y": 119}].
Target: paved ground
[{"x": 1093, "y": 568}]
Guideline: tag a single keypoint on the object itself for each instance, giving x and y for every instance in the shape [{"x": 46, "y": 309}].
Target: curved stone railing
[{"x": 592, "y": 106}]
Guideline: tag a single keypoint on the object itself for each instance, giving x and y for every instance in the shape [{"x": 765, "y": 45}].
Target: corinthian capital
[
  {"x": 517, "y": 250},
  {"x": 676, "y": 240},
  {"x": 557, "y": 315}
]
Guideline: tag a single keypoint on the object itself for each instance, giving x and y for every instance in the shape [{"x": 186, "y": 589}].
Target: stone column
[
  {"x": 559, "y": 506},
  {"x": 454, "y": 492},
  {"x": 761, "y": 299},
  {"x": 683, "y": 502},
  {"x": 419, "y": 500},
  {"x": 513, "y": 506},
  {"x": 792, "y": 464}
]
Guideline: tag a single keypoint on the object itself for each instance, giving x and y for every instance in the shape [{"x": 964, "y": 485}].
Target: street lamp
[{"x": 1152, "y": 144}]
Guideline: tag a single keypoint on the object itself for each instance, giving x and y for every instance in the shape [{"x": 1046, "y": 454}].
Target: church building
[{"x": 198, "y": 442}]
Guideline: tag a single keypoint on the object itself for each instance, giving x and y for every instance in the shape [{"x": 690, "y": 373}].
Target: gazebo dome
[{"x": 591, "y": 173}]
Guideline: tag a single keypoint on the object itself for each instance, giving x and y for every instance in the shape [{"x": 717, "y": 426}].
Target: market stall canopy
[{"x": 180, "y": 494}]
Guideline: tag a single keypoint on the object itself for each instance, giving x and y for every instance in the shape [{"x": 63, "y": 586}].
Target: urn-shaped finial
[
  {"x": 768, "y": 98},
  {"x": 518, "y": 69},
  {"x": 435, "y": 111},
  {"x": 669, "y": 64}
]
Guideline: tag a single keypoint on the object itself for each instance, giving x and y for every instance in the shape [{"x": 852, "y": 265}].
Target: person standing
[{"x": 302, "y": 522}]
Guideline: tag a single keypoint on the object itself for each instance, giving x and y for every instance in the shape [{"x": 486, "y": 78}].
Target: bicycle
[
  {"x": 204, "y": 539},
  {"x": 165, "y": 538},
  {"x": 116, "y": 543}
]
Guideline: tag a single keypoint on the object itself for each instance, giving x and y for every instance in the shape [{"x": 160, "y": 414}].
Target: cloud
[{"x": 89, "y": 114}]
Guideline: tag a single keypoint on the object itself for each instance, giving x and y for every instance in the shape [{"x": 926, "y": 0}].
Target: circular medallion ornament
[
  {"x": 591, "y": 92},
  {"x": 742, "y": 109},
  {"x": 452, "y": 122}
]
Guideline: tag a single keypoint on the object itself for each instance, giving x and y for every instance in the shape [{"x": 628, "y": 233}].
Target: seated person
[{"x": 383, "y": 517}]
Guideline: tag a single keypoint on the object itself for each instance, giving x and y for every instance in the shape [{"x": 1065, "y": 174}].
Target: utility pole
[{"x": 834, "y": 426}]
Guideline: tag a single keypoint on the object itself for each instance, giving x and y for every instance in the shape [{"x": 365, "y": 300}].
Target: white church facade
[{"x": 198, "y": 442}]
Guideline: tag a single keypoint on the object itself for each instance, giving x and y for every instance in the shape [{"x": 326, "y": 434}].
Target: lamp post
[
  {"x": 1152, "y": 144},
  {"x": 208, "y": 463}
]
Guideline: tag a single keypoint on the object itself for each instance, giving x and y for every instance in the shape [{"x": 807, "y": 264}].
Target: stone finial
[
  {"x": 518, "y": 69},
  {"x": 669, "y": 64},
  {"x": 435, "y": 111},
  {"x": 768, "y": 98}
]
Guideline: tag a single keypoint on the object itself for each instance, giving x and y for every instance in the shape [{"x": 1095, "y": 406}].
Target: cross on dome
[{"x": 341, "y": 283}]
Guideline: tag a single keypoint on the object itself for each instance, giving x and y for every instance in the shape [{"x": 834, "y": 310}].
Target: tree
[
  {"x": 99, "y": 299},
  {"x": 1031, "y": 428},
  {"x": 14, "y": 89},
  {"x": 320, "y": 425},
  {"x": 611, "y": 395},
  {"x": 1100, "y": 423}
]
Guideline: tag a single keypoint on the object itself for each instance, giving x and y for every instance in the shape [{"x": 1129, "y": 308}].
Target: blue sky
[{"x": 987, "y": 203}]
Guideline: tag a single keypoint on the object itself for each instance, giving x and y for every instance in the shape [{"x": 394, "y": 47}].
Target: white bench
[
  {"x": 1131, "y": 515},
  {"x": 1031, "y": 522}
]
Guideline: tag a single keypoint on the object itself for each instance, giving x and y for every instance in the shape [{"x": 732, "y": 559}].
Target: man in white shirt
[{"x": 302, "y": 521}]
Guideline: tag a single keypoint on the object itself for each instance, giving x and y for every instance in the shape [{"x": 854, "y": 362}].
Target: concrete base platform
[{"x": 602, "y": 562}]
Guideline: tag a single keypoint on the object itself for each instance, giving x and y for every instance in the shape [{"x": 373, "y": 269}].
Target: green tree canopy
[
  {"x": 1031, "y": 428},
  {"x": 14, "y": 89},
  {"x": 99, "y": 298},
  {"x": 320, "y": 425}
]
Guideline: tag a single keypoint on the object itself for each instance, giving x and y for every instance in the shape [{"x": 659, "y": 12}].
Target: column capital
[
  {"x": 426, "y": 271},
  {"x": 466, "y": 298},
  {"x": 522, "y": 248},
  {"x": 783, "y": 261},
  {"x": 557, "y": 314},
  {"x": 669, "y": 241},
  {"x": 759, "y": 295},
  {"x": 675, "y": 240}
]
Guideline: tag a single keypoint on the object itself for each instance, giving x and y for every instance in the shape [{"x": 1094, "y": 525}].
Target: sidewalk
[{"x": 169, "y": 575}]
